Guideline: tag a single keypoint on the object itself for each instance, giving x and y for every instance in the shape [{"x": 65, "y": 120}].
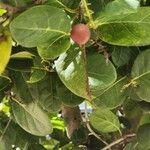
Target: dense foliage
[{"x": 45, "y": 76}]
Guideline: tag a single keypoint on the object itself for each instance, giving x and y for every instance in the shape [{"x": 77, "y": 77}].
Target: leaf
[
  {"x": 118, "y": 95},
  {"x": 5, "y": 51},
  {"x": 53, "y": 50},
  {"x": 126, "y": 30},
  {"x": 22, "y": 55},
  {"x": 143, "y": 136},
  {"x": 44, "y": 28},
  {"x": 71, "y": 69},
  {"x": 31, "y": 118},
  {"x": 2, "y": 11},
  {"x": 38, "y": 71},
  {"x": 104, "y": 121},
  {"x": 23, "y": 92},
  {"x": 121, "y": 55},
  {"x": 4, "y": 81},
  {"x": 118, "y": 7},
  {"x": 45, "y": 93},
  {"x": 66, "y": 96},
  {"x": 100, "y": 74},
  {"x": 141, "y": 74},
  {"x": 15, "y": 136}
]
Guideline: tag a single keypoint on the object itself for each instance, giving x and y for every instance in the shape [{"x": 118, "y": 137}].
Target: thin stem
[
  {"x": 89, "y": 127},
  {"x": 1, "y": 137},
  {"x": 87, "y": 11},
  {"x": 119, "y": 141}
]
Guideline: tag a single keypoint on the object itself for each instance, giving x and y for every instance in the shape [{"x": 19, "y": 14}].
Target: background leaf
[{"x": 31, "y": 118}]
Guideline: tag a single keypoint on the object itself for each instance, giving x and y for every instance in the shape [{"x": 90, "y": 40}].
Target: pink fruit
[{"x": 80, "y": 34}]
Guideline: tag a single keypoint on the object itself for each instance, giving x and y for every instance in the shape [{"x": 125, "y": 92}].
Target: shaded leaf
[
  {"x": 31, "y": 118},
  {"x": 143, "y": 136},
  {"x": 4, "y": 81}
]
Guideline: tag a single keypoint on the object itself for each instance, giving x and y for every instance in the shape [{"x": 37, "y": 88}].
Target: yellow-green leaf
[{"x": 5, "y": 51}]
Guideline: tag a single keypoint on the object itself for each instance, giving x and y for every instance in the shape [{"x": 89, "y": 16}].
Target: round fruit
[{"x": 80, "y": 34}]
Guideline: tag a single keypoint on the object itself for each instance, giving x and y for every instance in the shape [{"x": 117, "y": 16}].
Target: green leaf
[
  {"x": 45, "y": 93},
  {"x": 38, "y": 71},
  {"x": 71, "y": 69},
  {"x": 143, "y": 136},
  {"x": 127, "y": 29},
  {"x": 4, "y": 81},
  {"x": 104, "y": 121},
  {"x": 2, "y": 11},
  {"x": 101, "y": 74},
  {"x": 31, "y": 118},
  {"x": 40, "y": 24},
  {"x": 118, "y": 95},
  {"x": 5, "y": 51},
  {"x": 53, "y": 50},
  {"x": 118, "y": 7},
  {"x": 141, "y": 74},
  {"x": 121, "y": 55},
  {"x": 22, "y": 55},
  {"x": 66, "y": 96}
]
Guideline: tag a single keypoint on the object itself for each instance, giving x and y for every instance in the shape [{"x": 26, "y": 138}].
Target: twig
[
  {"x": 1, "y": 137},
  {"x": 119, "y": 141},
  {"x": 87, "y": 11},
  {"x": 89, "y": 127}
]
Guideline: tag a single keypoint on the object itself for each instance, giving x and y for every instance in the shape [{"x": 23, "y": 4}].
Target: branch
[
  {"x": 88, "y": 13},
  {"x": 89, "y": 127},
  {"x": 119, "y": 141}
]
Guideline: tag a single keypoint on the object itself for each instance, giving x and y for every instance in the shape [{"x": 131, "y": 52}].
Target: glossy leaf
[
  {"x": 31, "y": 118},
  {"x": 101, "y": 74},
  {"x": 44, "y": 28},
  {"x": 5, "y": 51},
  {"x": 53, "y": 50},
  {"x": 71, "y": 69},
  {"x": 127, "y": 29},
  {"x": 118, "y": 95},
  {"x": 141, "y": 74},
  {"x": 104, "y": 121}
]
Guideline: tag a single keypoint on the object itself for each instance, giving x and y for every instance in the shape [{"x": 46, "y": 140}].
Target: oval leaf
[
  {"x": 4, "y": 81},
  {"x": 104, "y": 121},
  {"x": 31, "y": 118},
  {"x": 39, "y": 25}
]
